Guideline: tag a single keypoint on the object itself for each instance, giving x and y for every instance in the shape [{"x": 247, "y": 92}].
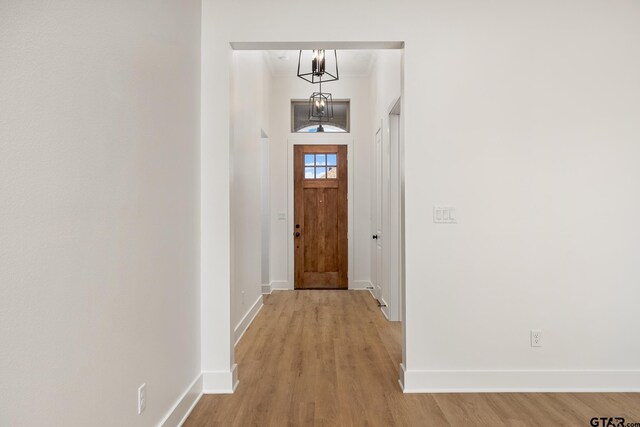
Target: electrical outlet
[
  {"x": 536, "y": 338},
  {"x": 142, "y": 398}
]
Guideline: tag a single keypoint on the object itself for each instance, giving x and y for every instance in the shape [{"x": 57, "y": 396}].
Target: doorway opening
[{"x": 313, "y": 199}]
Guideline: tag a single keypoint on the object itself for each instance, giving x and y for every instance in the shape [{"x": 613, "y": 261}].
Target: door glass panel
[
  {"x": 308, "y": 173},
  {"x": 321, "y": 166},
  {"x": 321, "y": 173}
]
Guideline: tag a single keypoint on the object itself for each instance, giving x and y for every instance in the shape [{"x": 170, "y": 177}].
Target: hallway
[{"x": 330, "y": 358}]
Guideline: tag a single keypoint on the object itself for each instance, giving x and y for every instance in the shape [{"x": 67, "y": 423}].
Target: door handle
[
  {"x": 297, "y": 234},
  {"x": 374, "y": 237}
]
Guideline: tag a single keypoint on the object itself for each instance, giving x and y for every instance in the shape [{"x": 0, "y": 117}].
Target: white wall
[
  {"x": 524, "y": 117},
  {"x": 249, "y": 92},
  {"x": 533, "y": 135},
  {"x": 99, "y": 210},
  {"x": 386, "y": 82},
  {"x": 284, "y": 89}
]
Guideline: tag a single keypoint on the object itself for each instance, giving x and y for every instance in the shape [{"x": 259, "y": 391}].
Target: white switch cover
[
  {"x": 444, "y": 215},
  {"x": 142, "y": 398}
]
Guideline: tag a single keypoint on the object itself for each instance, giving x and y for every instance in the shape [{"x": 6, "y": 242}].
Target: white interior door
[
  {"x": 378, "y": 229},
  {"x": 384, "y": 234},
  {"x": 394, "y": 231},
  {"x": 264, "y": 209},
  {"x": 385, "y": 205},
  {"x": 394, "y": 234}
]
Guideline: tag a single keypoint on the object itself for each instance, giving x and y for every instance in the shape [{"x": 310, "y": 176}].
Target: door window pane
[
  {"x": 332, "y": 160},
  {"x": 308, "y": 159},
  {"x": 321, "y": 172},
  {"x": 308, "y": 173},
  {"x": 321, "y": 159},
  {"x": 332, "y": 172}
]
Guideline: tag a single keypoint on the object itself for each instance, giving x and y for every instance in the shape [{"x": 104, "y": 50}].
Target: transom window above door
[
  {"x": 301, "y": 122},
  {"x": 321, "y": 166}
]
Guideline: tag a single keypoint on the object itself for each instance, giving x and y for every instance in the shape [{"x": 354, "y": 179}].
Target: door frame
[{"x": 319, "y": 140}]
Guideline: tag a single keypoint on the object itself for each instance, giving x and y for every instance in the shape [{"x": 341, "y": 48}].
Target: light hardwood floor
[{"x": 330, "y": 358}]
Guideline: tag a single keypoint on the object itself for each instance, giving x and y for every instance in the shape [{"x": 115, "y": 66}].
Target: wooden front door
[{"x": 320, "y": 216}]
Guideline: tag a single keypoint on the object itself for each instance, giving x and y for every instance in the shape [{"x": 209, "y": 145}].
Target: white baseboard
[
  {"x": 278, "y": 285},
  {"x": 401, "y": 379},
  {"x": 367, "y": 285},
  {"x": 384, "y": 308},
  {"x": 246, "y": 320},
  {"x": 211, "y": 382},
  {"x": 499, "y": 381},
  {"x": 266, "y": 289},
  {"x": 220, "y": 382},
  {"x": 234, "y": 378},
  {"x": 184, "y": 405},
  {"x": 357, "y": 285}
]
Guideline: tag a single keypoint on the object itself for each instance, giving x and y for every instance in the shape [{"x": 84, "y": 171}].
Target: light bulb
[{"x": 314, "y": 62}]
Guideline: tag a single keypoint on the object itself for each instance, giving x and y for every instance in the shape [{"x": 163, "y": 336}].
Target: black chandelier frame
[
  {"x": 318, "y": 77},
  {"x": 321, "y": 96}
]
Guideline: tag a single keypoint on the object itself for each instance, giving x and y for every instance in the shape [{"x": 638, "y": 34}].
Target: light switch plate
[{"x": 444, "y": 215}]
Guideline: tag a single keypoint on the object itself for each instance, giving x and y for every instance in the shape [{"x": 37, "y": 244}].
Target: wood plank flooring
[{"x": 330, "y": 358}]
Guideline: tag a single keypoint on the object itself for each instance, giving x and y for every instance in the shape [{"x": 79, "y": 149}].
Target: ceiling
[{"x": 351, "y": 62}]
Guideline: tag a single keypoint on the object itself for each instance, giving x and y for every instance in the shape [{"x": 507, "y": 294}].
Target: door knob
[{"x": 297, "y": 234}]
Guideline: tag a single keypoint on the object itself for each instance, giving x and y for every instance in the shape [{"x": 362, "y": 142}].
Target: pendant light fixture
[
  {"x": 320, "y": 104},
  {"x": 320, "y": 108},
  {"x": 321, "y": 68}
]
